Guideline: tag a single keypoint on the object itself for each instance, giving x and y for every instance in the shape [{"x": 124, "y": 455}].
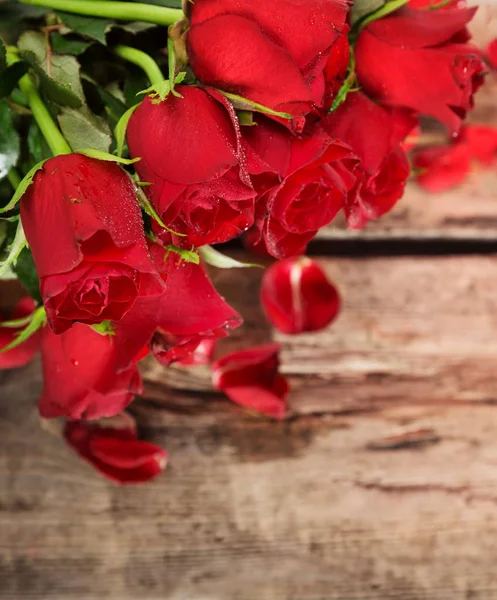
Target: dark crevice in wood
[{"x": 396, "y": 246}]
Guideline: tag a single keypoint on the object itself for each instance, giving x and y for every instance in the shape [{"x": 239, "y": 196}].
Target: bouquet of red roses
[{"x": 136, "y": 136}]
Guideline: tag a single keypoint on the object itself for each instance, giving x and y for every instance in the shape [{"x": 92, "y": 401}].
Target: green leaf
[
  {"x": 10, "y": 77},
  {"x": 221, "y": 261},
  {"x": 9, "y": 140},
  {"x": 160, "y": 91},
  {"x": 57, "y": 92},
  {"x": 105, "y": 328},
  {"x": 82, "y": 129},
  {"x": 383, "y": 11},
  {"x": 241, "y": 103},
  {"x": 190, "y": 256},
  {"x": 58, "y": 74},
  {"x": 22, "y": 187},
  {"x": 114, "y": 105},
  {"x": 63, "y": 44},
  {"x": 37, "y": 145},
  {"x": 92, "y": 153},
  {"x": 25, "y": 270},
  {"x": 13, "y": 251},
  {"x": 89, "y": 27},
  {"x": 361, "y": 8},
  {"x": 120, "y": 130},
  {"x": 38, "y": 320},
  {"x": 3, "y": 57}
]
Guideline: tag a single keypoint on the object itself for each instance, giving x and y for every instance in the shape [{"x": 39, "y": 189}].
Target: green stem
[
  {"x": 142, "y": 60},
  {"x": 14, "y": 178},
  {"x": 47, "y": 125},
  {"x": 121, "y": 11}
]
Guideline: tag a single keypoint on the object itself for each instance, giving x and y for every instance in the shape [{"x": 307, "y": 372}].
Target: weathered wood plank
[
  {"x": 249, "y": 510},
  {"x": 419, "y": 331},
  {"x": 383, "y": 483}
]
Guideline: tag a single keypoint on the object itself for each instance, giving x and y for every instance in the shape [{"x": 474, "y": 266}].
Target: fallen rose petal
[
  {"x": 442, "y": 168},
  {"x": 481, "y": 141},
  {"x": 250, "y": 378},
  {"x": 297, "y": 296},
  {"x": 491, "y": 54},
  {"x": 116, "y": 452},
  {"x": 23, "y": 353}
]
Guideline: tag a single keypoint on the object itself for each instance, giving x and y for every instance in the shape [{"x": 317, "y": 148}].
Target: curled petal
[
  {"x": 297, "y": 296},
  {"x": 250, "y": 378}
]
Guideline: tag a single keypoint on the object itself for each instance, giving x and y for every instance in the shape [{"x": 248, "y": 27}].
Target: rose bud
[
  {"x": 190, "y": 310},
  {"x": 273, "y": 53},
  {"x": 84, "y": 226},
  {"x": 205, "y": 195},
  {"x": 297, "y": 296},
  {"x": 419, "y": 59},
  {"x": 250, "y": 378},
  {"x": 116, "y": 452},
  {"x": 80, "y": 378},
  {"x": 23, "y": 353},
  {"x": 302, "y": 184},
  {"x": 375, "y": 134}
]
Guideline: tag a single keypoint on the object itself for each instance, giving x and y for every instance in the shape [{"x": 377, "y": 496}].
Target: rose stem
[
  {"x": 123, "y": 11},
  {"x": 14, "y": 178},
  {"x": 47, "y": 125},
  {"x": 142, "y": 60}
]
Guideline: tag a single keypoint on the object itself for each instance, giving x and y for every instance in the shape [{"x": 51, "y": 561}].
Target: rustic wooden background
[{"x": 382, "y": 483}]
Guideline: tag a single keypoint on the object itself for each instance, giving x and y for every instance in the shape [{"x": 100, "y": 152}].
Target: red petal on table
[
  {"x": 297, "y": 296},
  {"x": 250, "y": 378},
  {"x": 491, "y": 53},
  {"x": 481, "y": 141},
  {"x": 442, "y": 167},
  {"x": 116, "y": 452}
]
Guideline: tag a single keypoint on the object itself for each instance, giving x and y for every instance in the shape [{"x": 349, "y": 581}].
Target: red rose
[
  {"x": 202, "y": 355},
  {"x": 189, "y": 311},
  {"x": 273, "y": 53},
  {"x": 374, "y": 133},
  {"x": 23, "y": 353},
  {"x": 419, "y": 59},
  {"x": 84, "y": 227},
  {"x": 336, "y": 68},
  {"x": 302, "y": 182},
  {"x": 297, "y": 296},
  {"x": 190, "y": 153},
  {"x": 250, "y": 378},
  {"x": 80, "y": 378},
  {"x": 116, "y": 452}
]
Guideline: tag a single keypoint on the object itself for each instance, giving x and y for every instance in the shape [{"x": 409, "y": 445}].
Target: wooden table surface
[{"x": 381, "y": 484}]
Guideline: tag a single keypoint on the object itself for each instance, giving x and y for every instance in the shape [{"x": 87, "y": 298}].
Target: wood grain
[{"x": 382, "y": 483}]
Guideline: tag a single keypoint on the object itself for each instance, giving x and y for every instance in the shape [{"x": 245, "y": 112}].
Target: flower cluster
[{"x": 275, "y": 118}]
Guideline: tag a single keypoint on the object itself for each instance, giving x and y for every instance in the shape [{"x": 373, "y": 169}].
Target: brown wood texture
[{"x": 381, "y": 484}]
